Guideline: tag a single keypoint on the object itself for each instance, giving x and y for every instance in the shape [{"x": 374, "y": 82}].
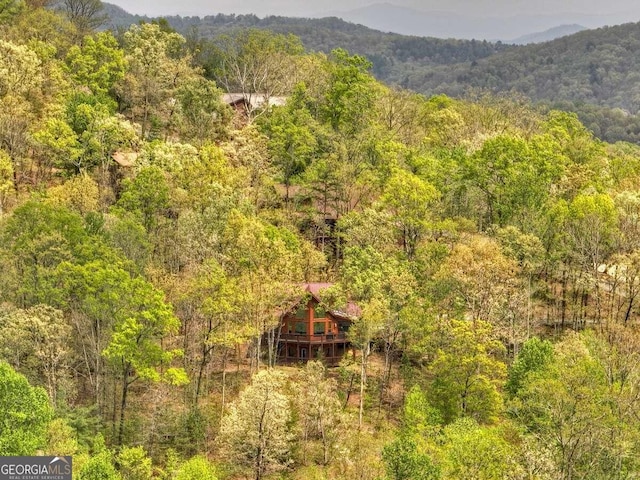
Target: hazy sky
[{"x": 315, "y": 8}]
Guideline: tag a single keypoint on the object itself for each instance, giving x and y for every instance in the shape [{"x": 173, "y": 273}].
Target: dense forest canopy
[{"x": 152, "y": 237}]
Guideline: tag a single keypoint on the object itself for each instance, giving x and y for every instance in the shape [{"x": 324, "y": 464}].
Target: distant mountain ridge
[
  {"x": 388, "y": 17},
  {"x": 548, "y": 35},
  {"x": 119, "y": 17},
  {"x": 597, "y": 66},
  {"x": 387, "y": 51}
]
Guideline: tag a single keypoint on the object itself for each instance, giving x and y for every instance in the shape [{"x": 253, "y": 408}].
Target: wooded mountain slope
[
  {"x": 593, "y": 73},
  {"x": 595, "y": 66},
  {"x": 389, "y": 52},
  {"x": 152, "y": 238}
]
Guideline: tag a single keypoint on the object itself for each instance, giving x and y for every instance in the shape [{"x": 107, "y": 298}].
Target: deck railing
[{"x": 320, "y": 338}]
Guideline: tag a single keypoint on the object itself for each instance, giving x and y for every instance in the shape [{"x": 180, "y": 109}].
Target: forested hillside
[
  {"x": 392, "y": 55},
  {"x": 592, "y": 73},
  {"x": 153, "y": 238}
]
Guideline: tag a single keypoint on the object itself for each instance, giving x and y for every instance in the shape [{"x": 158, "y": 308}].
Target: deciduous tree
[
  {"x": 258, "y": 64},
  {"x": 24, "y": 414},
  {"x": 30, "y": 340},
  {"x": 255, "y": 432},
  {"x": 468, "y": 373},
  {"x": 318, "y": 408},
  {"x": 86, "y": 15}
]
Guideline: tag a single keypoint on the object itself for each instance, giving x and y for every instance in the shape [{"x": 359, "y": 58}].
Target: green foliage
[
  {"x": 453, "y": 231},
  {"x": 515, "y": 177},
  {"x": 468, "y": 373},
  {"x": 10, "y": 9},
  {"x": 477, "y": 279},
  {"x": 476, "y": 453},
  {"x": 6, "y": 180},
  {"x": 85, "y": 425},
  {"x": 293, "y": 140},
  {"x": 134, "y": 464},
  {"x": 349, "y": 98},
  {"x": 534, "y": 356},
  {"x": 79, "y": 194},
  {"x": 24, "y": 414},
  {"x": 319, "y": 409},
  {"x": 192, "y": 428},
  {"x": 418, "y": 416},
  {"x": 592, "y": 226},
  {"x": 135, "y": 342},
  {"x": 581, "y": 420},
  {"x": 38, "y": 238},
  {"x": 410, "y": 201},
  {"x": 100, "y": 132},
  {"x": 156, "y": 70},
  {"x": 97, "y": 64},
  {"x": 99, "y": 467},
  {"x": 61, "y": 438},
  {"x": 196, "y": 468},
  {"x": 60, "y": 145},
  {"x": 20, "y": 66},
  {"x": 255, "y": 432},
  {"x": 29, "y": 340},
  {"x": 205, "y": 117},
  {"x": 527, "y": 249},
  {"x": 84, "y": 110},
  {"x": 146, "y": 196},
  {"x": 573, "y": 74},
  {"x": 403, "y": 461}
]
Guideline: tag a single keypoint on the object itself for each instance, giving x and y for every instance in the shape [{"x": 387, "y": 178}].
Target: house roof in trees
[
  {"x": 252, "y": 100},
  {"x": 314, "y": 288},
  {"x": 125, "y": 159},
  {"x": 351, "y": 311}
]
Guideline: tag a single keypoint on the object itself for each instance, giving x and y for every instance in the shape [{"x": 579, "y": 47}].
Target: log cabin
[{"x": 310, "y": 331}]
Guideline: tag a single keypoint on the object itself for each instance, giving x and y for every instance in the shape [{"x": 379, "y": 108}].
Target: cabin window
[
  {"x": 301, "y": 312},
  {"x": 318, "y": 328},
  {"x": 301, "y": 328},
  {"x": 343, "y": 326},
  {"x": 319, "y": 311}
]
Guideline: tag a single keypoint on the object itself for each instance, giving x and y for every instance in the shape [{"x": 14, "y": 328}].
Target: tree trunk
[
  {"x": 363, "y": 380},
  {"x": 325, "y": 444},
  {"x": 206, "y": 351},
  {"x": 224, "y": 382},
  {"x": 563, "y": 303},
  {"x": 349, "y": 390},
  {"x": 258, "y": 351},
  {"x": 123, "y": 402},
  {"x": 114, "y": 413},
  {"x": 529, "y": 307},
  {"x": 386, "y": 372},
  {"x": 273, "y": 336},
  {"x": 627, "y": 314}
]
